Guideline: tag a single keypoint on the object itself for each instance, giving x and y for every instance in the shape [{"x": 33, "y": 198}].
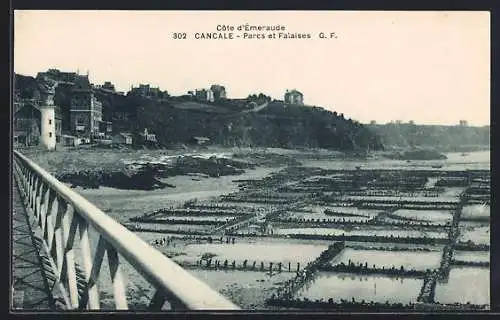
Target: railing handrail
[{"x": 158, "y": 269}]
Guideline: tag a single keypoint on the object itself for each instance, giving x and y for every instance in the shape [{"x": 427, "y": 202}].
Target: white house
[
  {"x": 122, "y": 138},
  {"x": 146, "y": 136},
  {"x": 294, "y": 97}
]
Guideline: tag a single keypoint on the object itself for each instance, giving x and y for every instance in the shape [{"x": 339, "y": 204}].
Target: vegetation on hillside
[
  {"x": 277, "y": 125},
  {"x": 178, "y": 119},
  {"x": 25, "y": 86},
  {"x": 452, "y": 138}
]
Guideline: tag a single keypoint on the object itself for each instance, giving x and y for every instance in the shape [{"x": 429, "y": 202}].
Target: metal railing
[{"x": 60, "y": 211}]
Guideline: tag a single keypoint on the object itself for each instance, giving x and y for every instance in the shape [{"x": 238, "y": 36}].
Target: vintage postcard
[{"x": 251, "y": 160}]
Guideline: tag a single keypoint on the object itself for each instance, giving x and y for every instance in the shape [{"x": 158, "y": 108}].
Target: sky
[{"x": 430, "y": 67}]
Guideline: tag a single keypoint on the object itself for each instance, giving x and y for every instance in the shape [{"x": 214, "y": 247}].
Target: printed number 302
[{"x": 180, "y": 35}]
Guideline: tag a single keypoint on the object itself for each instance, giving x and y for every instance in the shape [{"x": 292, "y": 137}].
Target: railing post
[
  {"x": 38, "y": 200},
  {"x": 17, "y": 175},
  {"x": 116, "y": 278},
  {"x": 32, "y": 192},
  {"x": 157, "y": 301},
  {"x": 46, "y": 217},
  {"x": 69, "y": 225},
  {"x": 25, "y": 174},
  {"x": 91, "y": 268},
  {"x": 48, "y": 209},
  {"x": 28, "y": 189},
  {"x": 25, "y": 177},
  {"x": 58, "y": 234},
  {"x": 18, "y": 171}
]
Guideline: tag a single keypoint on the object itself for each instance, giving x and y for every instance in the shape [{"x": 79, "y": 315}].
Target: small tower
[{"x": 48, "y": 121}]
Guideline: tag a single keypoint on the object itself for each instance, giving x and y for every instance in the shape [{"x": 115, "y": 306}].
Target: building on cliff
[
  {"x": 27, "y": 125},
  {"x": 219, "y": 92},
  {"x": 71, "y": 141},
  {"x": 122, "y": 138},
  {"x": 204, "y": 95},
  {"x": 66, "y": 101},
  {"x": 38, "y": 120},
  {"x": 215, "y": 93},
  {"x": 105, "y": 128},
  {"x": 294, "y": 97},
  {"x": 147, "y": 137},
  {"x": 463, "y": 123},
  {"x": 86, "y": 110},
  {"x": 108, "y": 86},
  {"x": 201, "y": 140},
  {"x": 147, "y": 91}
]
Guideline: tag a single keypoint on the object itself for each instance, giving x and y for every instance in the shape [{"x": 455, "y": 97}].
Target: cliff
[
  {"x": 445, "y": 138},
  {"x": 276, "y": 125},
  {"x": 176, "y": 120}
]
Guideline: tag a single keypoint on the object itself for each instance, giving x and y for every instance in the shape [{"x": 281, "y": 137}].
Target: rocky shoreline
[{"x": 146, "y": 176}]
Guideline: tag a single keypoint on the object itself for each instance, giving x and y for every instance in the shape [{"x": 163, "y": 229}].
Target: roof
[
  {"x": 294, "y": 92},
  {"x": 124, "y": 134},
  {"x": 201, "y": 138},
  {"x": 69, "y": 136},
  {"x": 217, "y": 87},
  {"x": 82, "y": 83}
]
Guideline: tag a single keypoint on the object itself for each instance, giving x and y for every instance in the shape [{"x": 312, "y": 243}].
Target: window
[
  {"x": 50, "y": 121},
  {"x": 50, "y": 134}
]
